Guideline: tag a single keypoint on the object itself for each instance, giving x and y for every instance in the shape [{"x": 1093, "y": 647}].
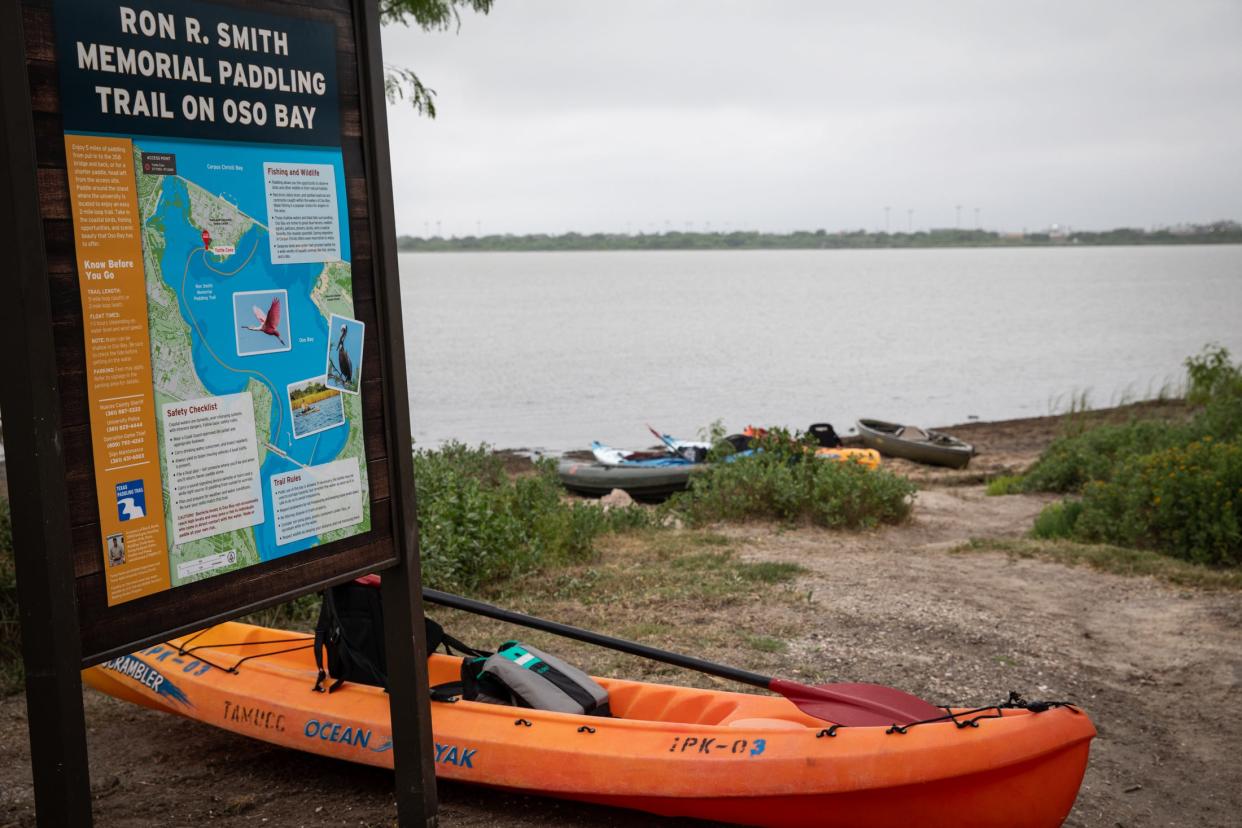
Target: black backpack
[
  {"x": 350, "y": 633},
  {"x": 825, "y": 434},
  {"x": 349, "y": 642}
]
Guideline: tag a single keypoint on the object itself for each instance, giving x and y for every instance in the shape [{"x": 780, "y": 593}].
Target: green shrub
[
  {"x": 783, "y": 480},
  {"x": 1211, "y": 375},
  {"x": 1074, "y": 460},
  {"x": 477, "y": 526},
  {"x": 1057, "y": 520},
  {"x": 1175, "y": 488},
  {"x": 1185, "y": 501},
  {"x": 1221, "y": 418},
  {"x": 1216, "y": 383}
]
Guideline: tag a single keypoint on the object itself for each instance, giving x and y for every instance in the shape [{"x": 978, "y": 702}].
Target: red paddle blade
[
  {"x": 663, "y": 438},
  {"x": 857, "y": 705}
]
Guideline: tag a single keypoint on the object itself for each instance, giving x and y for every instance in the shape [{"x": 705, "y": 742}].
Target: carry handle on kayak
[{"x": 853, "y": 705}]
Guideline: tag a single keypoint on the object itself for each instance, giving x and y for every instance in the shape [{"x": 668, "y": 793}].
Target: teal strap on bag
[
  {"x": 520, "y": 656},
  {"x": 532, "y": 678}
]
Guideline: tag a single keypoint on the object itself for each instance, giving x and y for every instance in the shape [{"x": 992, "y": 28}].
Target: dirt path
[{"x": 1156, "y": 666}]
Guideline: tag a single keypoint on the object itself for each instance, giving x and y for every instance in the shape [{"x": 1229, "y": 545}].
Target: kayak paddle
[
  {"x": 853, "y": 705},
  {"x": 676, "y": 447},
  {"x": 664, "y": 438}
]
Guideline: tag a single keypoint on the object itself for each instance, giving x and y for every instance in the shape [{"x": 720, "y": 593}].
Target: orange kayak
[
  {"x": 864, "y": 456},
  {"x": 675, "y": 751}
]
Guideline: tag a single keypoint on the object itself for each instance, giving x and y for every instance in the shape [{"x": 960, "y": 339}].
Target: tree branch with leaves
[{"x": 400, "y": 82}]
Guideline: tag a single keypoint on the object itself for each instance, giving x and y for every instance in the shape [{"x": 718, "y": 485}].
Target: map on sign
[{"x": 246, "y": 260}]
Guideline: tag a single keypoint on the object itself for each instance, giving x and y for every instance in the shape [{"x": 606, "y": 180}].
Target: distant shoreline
[
  {"x": 1022, "y": 433},
  {"x": 1223, "y": 232},
  {"x": 1005, "y": 445}
]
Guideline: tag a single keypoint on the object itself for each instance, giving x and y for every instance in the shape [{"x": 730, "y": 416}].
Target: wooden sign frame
[{"x": 67, "y": 623}]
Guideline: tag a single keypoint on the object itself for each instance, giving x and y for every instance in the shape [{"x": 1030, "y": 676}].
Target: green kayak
[
  {"x": 935, "y": 448},
  {"x": 640, "y": 482}
]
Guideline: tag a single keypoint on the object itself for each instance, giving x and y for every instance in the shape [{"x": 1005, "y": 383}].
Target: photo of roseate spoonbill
[
  {"x": 269, "y": 323},
  {"x": 262, "y": 320}
]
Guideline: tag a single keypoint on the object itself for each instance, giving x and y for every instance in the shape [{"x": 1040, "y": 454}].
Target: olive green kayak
[
  {"x": 640, "y": 482},
  {"x": 935, "y": 448}
]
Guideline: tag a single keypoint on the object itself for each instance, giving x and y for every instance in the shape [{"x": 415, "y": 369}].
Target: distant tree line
[
  {"x": 309, "y": 390},
  {"x": 1221, "y": 232}
]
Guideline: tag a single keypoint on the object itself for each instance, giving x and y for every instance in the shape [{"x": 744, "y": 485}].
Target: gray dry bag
[{"x": 523, "y": 676}]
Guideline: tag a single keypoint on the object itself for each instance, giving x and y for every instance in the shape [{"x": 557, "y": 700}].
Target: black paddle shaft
[{"x": 689, "y": 662}]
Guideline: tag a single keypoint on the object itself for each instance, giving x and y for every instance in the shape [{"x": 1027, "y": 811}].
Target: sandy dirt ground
[{"x": 1158, "y": 667}]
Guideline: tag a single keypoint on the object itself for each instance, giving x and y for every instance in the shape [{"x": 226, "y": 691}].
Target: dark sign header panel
[{"x": 146, "y": 67}]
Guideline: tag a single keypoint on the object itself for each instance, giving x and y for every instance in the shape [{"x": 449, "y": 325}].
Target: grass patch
[
  {"x": 651, "y": 566},
  {"x": 645, "y": 630},
  {"x": 765, "y": 644},
  {"x": 1057, "y": 520},
  {"x": 1006, "y": 484},
  {"x": 686, "y": 590},
  {"x": 771, "y": 572},
  {"x": 782, "y": 480},
  {"x": 1113, "y": 559}
]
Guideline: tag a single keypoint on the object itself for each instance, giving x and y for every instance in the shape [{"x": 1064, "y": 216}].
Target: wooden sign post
[{"x": 204, "y": 393}]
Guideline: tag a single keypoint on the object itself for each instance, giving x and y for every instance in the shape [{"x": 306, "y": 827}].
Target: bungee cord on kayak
[{"x": 185, "y": 651}]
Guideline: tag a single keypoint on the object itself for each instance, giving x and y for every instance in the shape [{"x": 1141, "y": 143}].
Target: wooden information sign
[{"x": 205, "y": 404}]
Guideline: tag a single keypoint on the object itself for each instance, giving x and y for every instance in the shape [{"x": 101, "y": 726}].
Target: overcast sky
[{"x": 586, "y": 115}]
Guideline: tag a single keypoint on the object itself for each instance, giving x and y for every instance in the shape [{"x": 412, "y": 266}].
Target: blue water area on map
[
  {"x": 205, "y": 286},
  {"x": 316, "y": 417}
]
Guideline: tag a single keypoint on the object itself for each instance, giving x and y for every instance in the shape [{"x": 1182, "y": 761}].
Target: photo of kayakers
[
  {"x": 344, "y": 365},
  {"x": 261, "y": 321},
  {"x": 314, "y": 406}
]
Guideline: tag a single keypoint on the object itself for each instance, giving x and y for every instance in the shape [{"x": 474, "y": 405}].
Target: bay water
[{"x": 549, "y": 351}]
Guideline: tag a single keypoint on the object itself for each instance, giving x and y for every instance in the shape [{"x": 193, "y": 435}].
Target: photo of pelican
[{"x": 344, "y": 364}]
